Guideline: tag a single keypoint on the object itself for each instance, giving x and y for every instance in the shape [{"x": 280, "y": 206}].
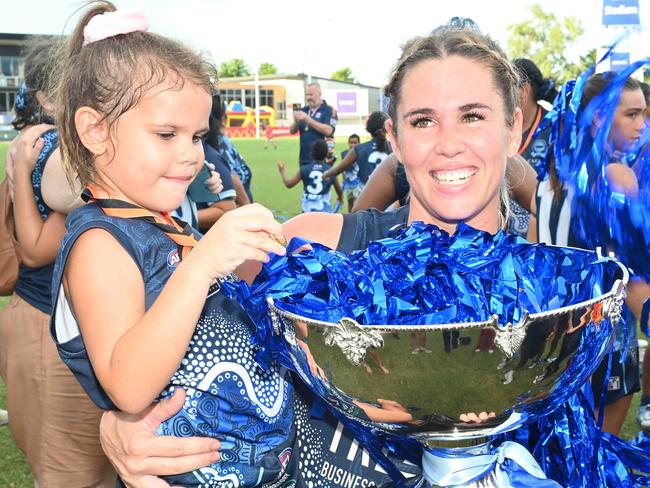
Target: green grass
[{"x": 268, "y": 190}]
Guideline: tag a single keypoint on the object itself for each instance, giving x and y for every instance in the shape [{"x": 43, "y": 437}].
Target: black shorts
[{"x": 623, "y": 378}]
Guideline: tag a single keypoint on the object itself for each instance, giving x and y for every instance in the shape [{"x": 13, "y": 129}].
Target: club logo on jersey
[
  {"x": 284, "y": 457},
  {"x": 173, "y": 259}
]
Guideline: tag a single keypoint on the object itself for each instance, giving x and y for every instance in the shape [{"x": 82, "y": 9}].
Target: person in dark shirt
[{"x": 316, "y": 120}]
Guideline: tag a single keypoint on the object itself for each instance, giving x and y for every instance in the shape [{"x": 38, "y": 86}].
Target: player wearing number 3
[{"x": 316, "y": 193}]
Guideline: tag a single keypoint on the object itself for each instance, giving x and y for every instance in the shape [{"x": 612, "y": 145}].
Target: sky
[{"x": 315, "y": 37}]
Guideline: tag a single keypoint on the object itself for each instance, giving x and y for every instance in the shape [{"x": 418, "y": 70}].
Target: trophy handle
[
  {"x": 510, "y": 338},
  {"x": 353, "y": 340}
]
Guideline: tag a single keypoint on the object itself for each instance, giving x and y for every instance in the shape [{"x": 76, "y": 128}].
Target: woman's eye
[
  {"x": 165, "y": 135},
  {"x": 473, "y": 117},
  {"x": 421, "y": 123},
  {"x": 199, "y": 139}
]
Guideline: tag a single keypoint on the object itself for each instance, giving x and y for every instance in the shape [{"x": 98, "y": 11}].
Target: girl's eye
[
  {"x": 165, "y": 135},
  {"x": 199, "y": 138}
]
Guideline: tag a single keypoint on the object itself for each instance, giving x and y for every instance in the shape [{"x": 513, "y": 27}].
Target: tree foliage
[
  {"x": 267, "y": 69},
  {"x": 234, "y": 67},
  {"x": 344, "y": 74},
  {"x": 544, "y": 38}
]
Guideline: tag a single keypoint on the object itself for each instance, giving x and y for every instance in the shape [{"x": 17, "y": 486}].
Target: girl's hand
[
  {"x": 140, "y": 456},
  {"x": 214, "y": 183},
  {"x": 29, "y": 147},
  {"x": 281, "y": 166},
  {"x": 248, "y": 233}
]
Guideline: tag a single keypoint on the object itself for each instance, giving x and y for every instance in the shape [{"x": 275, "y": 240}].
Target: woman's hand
[
  {"x": 29, "y": 148},
  {"x": 248, "y": 233},
  {"x": 281, "y": 166},
  {"x": 140, "y": 456}
]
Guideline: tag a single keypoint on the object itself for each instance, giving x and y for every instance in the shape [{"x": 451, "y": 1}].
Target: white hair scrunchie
[{"x": 111, "y": 24}]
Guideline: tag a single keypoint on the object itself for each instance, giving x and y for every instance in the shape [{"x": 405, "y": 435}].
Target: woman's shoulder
[{"x": 321, "y": 227}]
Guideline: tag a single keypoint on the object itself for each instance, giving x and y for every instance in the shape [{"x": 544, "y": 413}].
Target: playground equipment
[{"x": 240, "y": 120}]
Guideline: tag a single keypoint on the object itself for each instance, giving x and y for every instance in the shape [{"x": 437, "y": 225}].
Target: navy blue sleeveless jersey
[
  {"x": 312, "y": 178},
  {"x": 368, "y": 158},
  {"x": 229, "y": 396},
  {"x": 323, "y": 114},
  {"x": 33, "y": 284}
]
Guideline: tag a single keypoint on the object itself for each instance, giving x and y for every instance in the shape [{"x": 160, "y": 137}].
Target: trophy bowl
[{"x": 434, "y": 383}]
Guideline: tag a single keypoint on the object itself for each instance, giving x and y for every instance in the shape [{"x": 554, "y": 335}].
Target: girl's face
[
  {"x": 454, "y": 141},
  {"x": 629, "y": 121},
  {"x": 156, "y": 147},
  {"x": 353, "y": 142}
]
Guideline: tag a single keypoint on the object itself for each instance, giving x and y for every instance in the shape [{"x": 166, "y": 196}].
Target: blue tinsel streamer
[{"x": 426, "y": 269}]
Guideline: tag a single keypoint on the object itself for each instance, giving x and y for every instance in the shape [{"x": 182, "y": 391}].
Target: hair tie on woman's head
[
  {"x": 21, "y": 97},
  {"x": 111, "y": 24}
]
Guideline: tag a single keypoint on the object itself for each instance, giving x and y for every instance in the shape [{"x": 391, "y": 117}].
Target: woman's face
[
  {"x": 453, "y": 139},
  {"x": 629, "y": 121}
]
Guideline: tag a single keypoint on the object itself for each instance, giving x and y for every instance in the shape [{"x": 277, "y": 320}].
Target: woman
[
  {"x": 52, "y": 419},
  {"x": 454, "y": 122}
]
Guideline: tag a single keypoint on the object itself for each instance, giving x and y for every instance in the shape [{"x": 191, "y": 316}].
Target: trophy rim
[{"x": 618, "y": 288}]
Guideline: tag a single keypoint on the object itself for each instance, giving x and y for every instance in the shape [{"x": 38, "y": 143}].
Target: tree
[
  {"x": 267, "y": 69},
  {"x": 234, "y": 67},
  {"x": 545, "y": 39},
  {"x": 344, "y": 74}
]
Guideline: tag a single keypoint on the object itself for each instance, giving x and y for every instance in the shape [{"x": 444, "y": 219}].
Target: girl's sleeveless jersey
[{"x": 229, "y": 396}]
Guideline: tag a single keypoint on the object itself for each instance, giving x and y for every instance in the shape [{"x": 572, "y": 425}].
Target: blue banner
[
  {"x": 619, "y": 61},
  {"x": 621, "y": 12}
]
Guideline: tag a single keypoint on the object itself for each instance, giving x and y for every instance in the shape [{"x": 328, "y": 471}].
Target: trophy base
[
  {"x": 482, "y": 466},
  {"x": 488, "y": 481}
]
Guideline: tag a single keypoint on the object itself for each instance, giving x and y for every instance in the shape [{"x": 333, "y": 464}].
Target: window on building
[
  {"x": 11, "y": 66},
  {"x": 266, "y": 98}
]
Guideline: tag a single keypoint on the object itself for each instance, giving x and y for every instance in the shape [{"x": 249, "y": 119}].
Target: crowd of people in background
[{"x": 50, "y": 413}]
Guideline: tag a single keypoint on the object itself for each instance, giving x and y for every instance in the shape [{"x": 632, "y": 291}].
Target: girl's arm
[
  {"x": 39, "y": 239},
  {"x": 135, "y": 352},
  {"x": 349, "y": 160},
  {"x": 379, "y": 191},
  {"x": 241, "y": 197},
  {"x": 288, "y": 182},
  {"x": 338, "y": 190}
]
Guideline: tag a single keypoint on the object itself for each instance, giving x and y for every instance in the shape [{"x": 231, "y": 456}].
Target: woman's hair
[
  {"x": 375, "y": 127},
  {"x": 543, "y": 88},
  {"x": 213, "y": 138},
  {"x": 40, "y": 66},
  {"x": 319, "y": 150},
  {"x": 598, "y": 82},
  {"x": 112, "y": 75},
  {"x": 467, "y": 43}
]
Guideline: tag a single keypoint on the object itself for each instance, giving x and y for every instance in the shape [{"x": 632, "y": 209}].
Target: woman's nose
[{"x": 449, "y": 142}]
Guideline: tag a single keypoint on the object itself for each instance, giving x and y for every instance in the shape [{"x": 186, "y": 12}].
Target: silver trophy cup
[{"x": 430, "y": 382}]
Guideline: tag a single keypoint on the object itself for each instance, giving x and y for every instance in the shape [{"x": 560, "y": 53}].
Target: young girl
[
  {"x": 316, "y": 189},
  {"x": 136, "y": 313}
]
